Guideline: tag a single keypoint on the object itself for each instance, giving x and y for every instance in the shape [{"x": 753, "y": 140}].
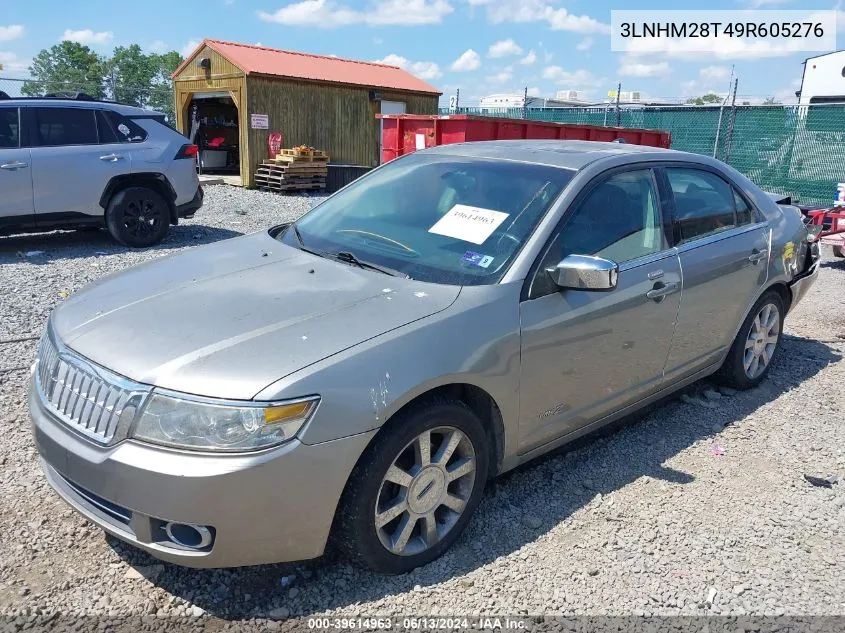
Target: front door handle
[
  {"x": 16, "y": 165},
  {"x": 660, "y": 290},
  {"x": 757, "y": 255},
  {"x": 111, "y": 157}
]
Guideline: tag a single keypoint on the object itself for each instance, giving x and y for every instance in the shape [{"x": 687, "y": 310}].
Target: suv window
[
  {"x": 115, "y": 128},
  {"x": 9, "y": 128},
  {"x": 64, "y": 126},
  {"x": 618, "y": 220},
  {"x": 705, "y": 204}
]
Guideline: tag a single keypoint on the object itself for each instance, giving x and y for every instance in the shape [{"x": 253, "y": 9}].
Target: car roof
[
  {"x": 566, "y": 154},
  {"x": 120, "y": 108}
]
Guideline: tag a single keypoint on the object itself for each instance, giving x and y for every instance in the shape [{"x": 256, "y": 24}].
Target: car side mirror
[{"x": 585, "y": 272}]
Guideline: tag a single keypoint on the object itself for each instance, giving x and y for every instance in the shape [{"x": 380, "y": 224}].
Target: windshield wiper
[
  {"x": 302, "y": 247},
  {"x": 350, "y": 258}
]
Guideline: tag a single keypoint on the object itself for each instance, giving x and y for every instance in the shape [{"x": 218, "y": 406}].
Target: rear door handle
[
  {"x": 660, "y": 290},
  {"x": 757, "y": 255},
  {"x": 111, "y": 157},
  {"x": 16, "y": 165}
]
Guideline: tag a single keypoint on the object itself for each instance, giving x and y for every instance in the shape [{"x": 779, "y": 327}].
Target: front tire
[
  {"x": 756, "y": 345},
  {"x": 414, "y": 490},
  {"x": 138, "y": 217}
]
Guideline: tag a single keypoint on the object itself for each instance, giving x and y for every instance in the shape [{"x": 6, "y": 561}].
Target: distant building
[
  {"x": 563, "y": 99},
  {"x": 823, "y": 80}
]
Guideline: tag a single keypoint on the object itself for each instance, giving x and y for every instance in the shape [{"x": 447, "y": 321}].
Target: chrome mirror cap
[{"x": 585, "y": 272}]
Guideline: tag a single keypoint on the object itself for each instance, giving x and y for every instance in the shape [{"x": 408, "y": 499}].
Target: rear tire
[
  {"x": 138, "y": 217},
  {"x": 756, "y": 345},
  {"x": 392, "y": 527}
]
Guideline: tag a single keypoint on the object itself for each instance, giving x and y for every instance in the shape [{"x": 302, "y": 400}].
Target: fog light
[{"x": 188, "y": 535}]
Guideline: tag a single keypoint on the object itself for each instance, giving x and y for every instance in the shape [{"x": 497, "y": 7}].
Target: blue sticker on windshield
[{"x": 477, "y": 259}]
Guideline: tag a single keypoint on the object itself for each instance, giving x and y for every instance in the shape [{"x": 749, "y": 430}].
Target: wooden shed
[{"x": 230, "y": 97}]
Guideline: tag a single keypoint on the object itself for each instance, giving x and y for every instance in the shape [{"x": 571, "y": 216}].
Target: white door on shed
[{"x": 388, "y": 107}]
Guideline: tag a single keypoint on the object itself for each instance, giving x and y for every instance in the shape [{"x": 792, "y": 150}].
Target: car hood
[{"x": 227, "y": 319}]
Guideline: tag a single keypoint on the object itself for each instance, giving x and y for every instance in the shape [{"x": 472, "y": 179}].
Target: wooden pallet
[
  {"x": 303, "y": 158},
  {"x": 307, "y": 154},
  {"x": 283, "y": 188},
  {"x": 294, "y": 169}
]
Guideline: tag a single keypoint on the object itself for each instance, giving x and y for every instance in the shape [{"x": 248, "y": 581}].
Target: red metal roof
[{"x": 272, "y": 61}]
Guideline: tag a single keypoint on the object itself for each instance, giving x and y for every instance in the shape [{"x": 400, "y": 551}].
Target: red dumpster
[{"x": 406, "y": 133}]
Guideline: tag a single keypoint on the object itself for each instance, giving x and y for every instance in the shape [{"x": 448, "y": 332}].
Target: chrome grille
[{"x": 90, "y": 400}]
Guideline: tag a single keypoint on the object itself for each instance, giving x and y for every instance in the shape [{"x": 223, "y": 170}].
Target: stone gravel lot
[{"x": 698, "y": 507}]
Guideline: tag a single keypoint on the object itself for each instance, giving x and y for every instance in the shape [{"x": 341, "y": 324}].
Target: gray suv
[{"x": 79, "y": 163}]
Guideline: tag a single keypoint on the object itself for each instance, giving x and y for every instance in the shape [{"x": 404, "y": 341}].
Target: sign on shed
[{"x": 259, "y": 121}]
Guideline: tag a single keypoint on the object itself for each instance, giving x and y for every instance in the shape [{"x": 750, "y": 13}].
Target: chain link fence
[
  {"x": 157, "y": 97},
  {"x": 786, "y": 149}
]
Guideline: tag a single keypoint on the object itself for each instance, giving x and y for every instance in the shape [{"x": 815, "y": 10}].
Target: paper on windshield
[{"x": 471, "y": 224}]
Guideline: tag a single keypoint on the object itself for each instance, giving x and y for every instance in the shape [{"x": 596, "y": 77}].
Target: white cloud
[
  {"x": 633, "y": 68},
  {"x": 534, "y": 91},
  {"x": 11, "y": 32},
  {"x": 158, "y": 46},
  {"x": 503, "y": 48},
  {"x": 423, "y": 70},
  {"x": 715, "y": 72},
  {"x": 87, "y": 36},
  {"x": 578, "y": 78},
  {"x": 558, "y": 19},
  {"x": 585, "y": 44},
  {"x": 13, "y": 65},
  {"x": 501, "y": 77},
  {"x": 189, "y": 47},
  {"x": 332, "y": 14},
  {"x": 469, "y": 60},
  {"x": 529, "y": 59}
]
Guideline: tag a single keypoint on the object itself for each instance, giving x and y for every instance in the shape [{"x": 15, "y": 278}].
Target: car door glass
[
  {"x": 619, "y": 219},
  {"x": 9, "y": 128},
  {"x": 744, "y": 213},
  {"x": 64, "y": 126},
  {"x": 704, "y": 203}
]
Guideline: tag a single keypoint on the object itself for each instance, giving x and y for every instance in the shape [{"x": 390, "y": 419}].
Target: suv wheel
[
  {"x": 415, "y": 488},
  {"x": 138, "y": 217},
  {"x": 756, "y": 344}
]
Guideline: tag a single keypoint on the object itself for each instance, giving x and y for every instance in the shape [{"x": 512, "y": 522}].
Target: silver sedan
[{"x": 361, "y": 373}]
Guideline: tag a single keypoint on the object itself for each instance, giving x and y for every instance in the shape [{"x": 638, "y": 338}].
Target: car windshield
[{"x": 435, "y": 218}]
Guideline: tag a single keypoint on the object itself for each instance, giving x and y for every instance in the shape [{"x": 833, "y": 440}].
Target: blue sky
[{"x": 480, "y": 46}]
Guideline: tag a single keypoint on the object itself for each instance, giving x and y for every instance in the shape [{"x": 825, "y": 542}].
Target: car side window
[
  {"x": 619, "y": 219},
  {"x": 9, "y": 128},
  {"x": 64, "y": 126},
  {"x": 122, "y": 129},
  {"x": 744, "y": 213},
  {"x": 705, "y": 204}
]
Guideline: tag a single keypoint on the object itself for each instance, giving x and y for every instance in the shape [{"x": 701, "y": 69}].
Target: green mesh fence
[{"x": 795, "y": 150}]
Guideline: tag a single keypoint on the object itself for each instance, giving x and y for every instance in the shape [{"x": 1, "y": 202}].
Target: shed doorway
[{"x": 214, "y": 126}]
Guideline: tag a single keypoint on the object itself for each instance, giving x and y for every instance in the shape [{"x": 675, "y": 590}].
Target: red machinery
[{"x": 832, "y": 223}]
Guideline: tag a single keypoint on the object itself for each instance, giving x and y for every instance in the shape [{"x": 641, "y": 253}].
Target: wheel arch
[{"x": 155, "y": 181}]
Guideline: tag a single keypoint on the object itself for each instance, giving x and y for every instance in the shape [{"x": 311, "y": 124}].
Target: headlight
[{"x": 225, "y": 427}]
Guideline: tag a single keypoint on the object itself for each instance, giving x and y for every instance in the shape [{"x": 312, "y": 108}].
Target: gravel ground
[{"x": 700, "y": 507}]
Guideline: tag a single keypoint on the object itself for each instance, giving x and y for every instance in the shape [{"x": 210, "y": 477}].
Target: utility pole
[
  {"x": 618, "y": 110},
  {"x": 721, "y": 112},
  {"x": 731, "y": 123},
  {"x": 457, "y": 98},
  {"x": 525, "y": 103}
]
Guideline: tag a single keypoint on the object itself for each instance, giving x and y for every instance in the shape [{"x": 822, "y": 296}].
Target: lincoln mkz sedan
[{"x": 358, "y": 375}]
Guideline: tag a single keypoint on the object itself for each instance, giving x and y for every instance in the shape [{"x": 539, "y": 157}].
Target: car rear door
[
  {"x": 723, "y": 245},
  {"x": 586, "y": 354},
  {"x": 16, "y": 207},
  {"x": 71, "y": 166}
]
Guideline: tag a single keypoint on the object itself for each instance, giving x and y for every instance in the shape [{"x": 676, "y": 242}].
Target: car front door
[
  {"x": 586, "y": 354},
  {"x": 70, "y": 166},
  {"x": 723, "y": 244},
  {"x": 16, "y": 208}
]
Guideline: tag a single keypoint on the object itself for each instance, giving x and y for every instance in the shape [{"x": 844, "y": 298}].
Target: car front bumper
[{"x": 273, "y": 506}]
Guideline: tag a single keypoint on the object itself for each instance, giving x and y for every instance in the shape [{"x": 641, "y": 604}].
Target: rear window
[
  {"x": 115, "y": 128},
  {"x": 64, "y": 126}
]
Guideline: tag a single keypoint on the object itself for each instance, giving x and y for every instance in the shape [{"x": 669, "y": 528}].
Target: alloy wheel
[
  {"x": 141, "y": 218},
  {"x": 425, "y": 491},
  {"x": 762, "y": 341}
]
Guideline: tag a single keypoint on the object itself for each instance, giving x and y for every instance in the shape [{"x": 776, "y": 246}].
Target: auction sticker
[
  {"x": 470, "y": 224},
  {"x": 477, "y": 259}
]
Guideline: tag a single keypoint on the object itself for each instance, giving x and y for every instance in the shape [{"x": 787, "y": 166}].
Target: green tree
[
  {"x": 66, "y": 67},
  {"x": 707, "y": 99},
  {"x": 161, "y": 94},
  {"x": 771, "y": 101},
  {"x": 130, "y": 75}
]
